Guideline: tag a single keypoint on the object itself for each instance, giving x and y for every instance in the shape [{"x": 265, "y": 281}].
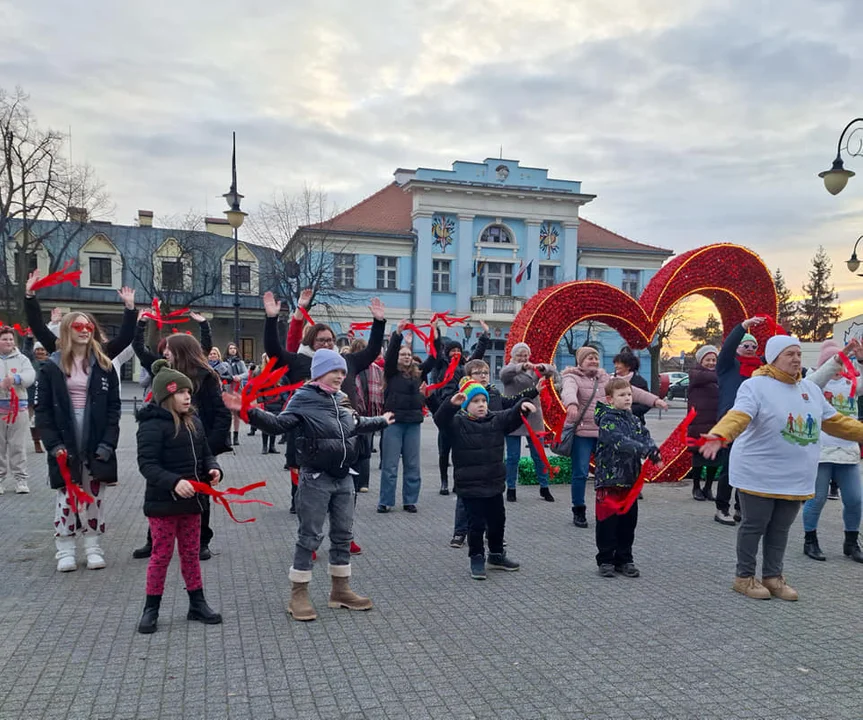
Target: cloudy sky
[{"x": 693, "y": 122}]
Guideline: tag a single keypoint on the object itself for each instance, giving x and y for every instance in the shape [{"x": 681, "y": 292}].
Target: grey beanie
[
  {"x": 325, "y": 360},
  {"x": 702, "y": 352}
]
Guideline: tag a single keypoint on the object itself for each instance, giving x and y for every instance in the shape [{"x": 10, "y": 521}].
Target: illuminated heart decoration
[{"x": 732, "y": 277}]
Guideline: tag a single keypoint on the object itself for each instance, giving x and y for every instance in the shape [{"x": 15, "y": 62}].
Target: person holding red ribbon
[
  {"x": 172, "y": 452},
  {"x": 78, "y": 416},
  {"x": 16, "y": 377}
]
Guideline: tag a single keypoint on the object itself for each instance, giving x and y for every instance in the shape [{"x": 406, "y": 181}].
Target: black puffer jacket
[
  {"x": 623, "y": 441},
  {"x": 55, "y": 420},
  {"x": 441, "y": 395},
  {"x": 326, "y": 429},
  {"x": 498, "y": 402},
  {"x": 166, "y": 456},
  {"x": 402, "y": 394},
  {"x": 704, "y": 397},
  {"x": 478, "y": 448}
]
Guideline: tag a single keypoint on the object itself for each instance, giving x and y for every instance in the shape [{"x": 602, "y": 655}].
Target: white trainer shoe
[
  {"x": 21, "y": 487},
  {"x": 65, "y": 554},
  {"x": 95, "y": 559}
]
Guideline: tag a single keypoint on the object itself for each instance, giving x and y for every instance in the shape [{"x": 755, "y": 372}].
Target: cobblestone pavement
[{"x": 551, "y": 641}]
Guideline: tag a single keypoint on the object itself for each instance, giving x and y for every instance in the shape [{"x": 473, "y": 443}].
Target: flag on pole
[
  {"x": 522, "y": 271},
  {"x": 477, "y": 267}
]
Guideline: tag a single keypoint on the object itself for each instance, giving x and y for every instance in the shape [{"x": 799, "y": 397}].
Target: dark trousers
[
  {"x": 723, "y": 487},
  {"x": 444, "y": 446},
  {"x": 361, "y": 479},
  {"x": 485, "y": 515},
  {"x": 614, "y": 538}
]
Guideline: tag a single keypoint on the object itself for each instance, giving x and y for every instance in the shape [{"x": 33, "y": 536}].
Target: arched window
[{"x": 496, "y": 234}]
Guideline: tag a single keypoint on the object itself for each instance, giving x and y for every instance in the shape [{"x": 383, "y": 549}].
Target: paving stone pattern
[{"x": 551, "y": 641}]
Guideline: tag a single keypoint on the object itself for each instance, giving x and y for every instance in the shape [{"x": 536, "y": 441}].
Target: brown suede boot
[
  {"x": 37, "y": 446},
  {"x": 779, "y": 588},
  {"x": 750, "y": 587},
  {"x": 341, "y": 595},
  {"x": 300, "y": 607}
]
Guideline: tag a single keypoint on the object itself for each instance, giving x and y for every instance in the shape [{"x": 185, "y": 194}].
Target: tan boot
[
  {"x": 341, "y": 595},
  {"x": 779, "y": 588},
  {"x": 750, "y": 587},
  {"x": 300, "y": 607}
]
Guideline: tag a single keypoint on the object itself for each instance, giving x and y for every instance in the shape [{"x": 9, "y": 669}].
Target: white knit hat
[
  {"x": 704, "y": 351},
  {"x": 777, "y": 344}
]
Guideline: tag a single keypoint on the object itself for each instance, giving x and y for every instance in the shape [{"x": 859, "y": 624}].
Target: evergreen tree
[
  {"x": 787, "y": 308},
  {"x": 818, "y": 311},
  {"x": 709, "y": 334}
]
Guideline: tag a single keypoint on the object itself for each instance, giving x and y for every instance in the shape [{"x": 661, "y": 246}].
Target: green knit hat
[
  {"x": 167, "y": 381},
  {"x": 748, "y": 337}
]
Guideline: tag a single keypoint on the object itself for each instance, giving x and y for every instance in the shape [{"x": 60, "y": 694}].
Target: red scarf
[{"x": 748, "y": 364}]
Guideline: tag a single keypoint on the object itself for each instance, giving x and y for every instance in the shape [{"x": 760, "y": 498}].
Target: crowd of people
[{"x": 778, "y": 439}]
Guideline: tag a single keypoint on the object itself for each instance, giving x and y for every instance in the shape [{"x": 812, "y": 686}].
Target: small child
[
  {"x": 479, "y": 474},
  {"x": 623, "y": 442},
  {"x": 327, "y": 448},
  {"x": 478, "y": 371},
  {"x": 173, "y": 449}
]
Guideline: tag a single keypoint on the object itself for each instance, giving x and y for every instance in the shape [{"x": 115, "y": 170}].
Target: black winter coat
[
  {"x": 704, "y": 397},
  {"x": 326, "y": 429},
  {"x": 623, "y": 441},
  {"x": 441, "y": 395},
  {"x": 147, "y": 357},
  {"x": 402, "y": 394},
  {"x": 640, "y": 409},
  {"x": 166, "y": 456},
  {"x": 728, "y": 370},
  {"x": 478, "y": 448},
  {"x": 55, "y": 420}
]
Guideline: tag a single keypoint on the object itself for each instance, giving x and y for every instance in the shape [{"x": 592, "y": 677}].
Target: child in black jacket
[
  {"x": 172, "y": 450},
  {"x": 327, "y": 448},
  {"x": 479, "y": 474},
  {"x": 623, "y": 442}
]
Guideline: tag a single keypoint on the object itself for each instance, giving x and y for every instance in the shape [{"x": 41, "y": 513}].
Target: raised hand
[
  {"x": 752, "y": 321},
  {"x": 56, "y": 315},
  {"x": 377, "y": 308},
  {"x": 197, "y": 317},
  {"x": 400, "y": 328},
  {"x": 142, "y": 315},
  {"x": 271, "y": 305},
  {"x": 484, "y": 325},
  {"x": 458, "y": 399},
  {"x": 127, "y": 295},
  {"x": 32, "y": 279},
  {"x": 305, "y": 298}
]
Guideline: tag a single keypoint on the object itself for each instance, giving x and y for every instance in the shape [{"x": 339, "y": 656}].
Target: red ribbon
[
  {"x": 546, "y": 401},
  {"x": 774, "y": 327},
  {"x": 849, "y": 373},
  {"x": 23, "y": 332},
  {"x": 359, "y": 327},
  {"x": 540, "y": 450},
  {"x": 148, "y": 397},
  {"x": 265, "y": 384},
  {"x": 172, "y": 318},
  {"x": 446, "y": 319},
  {"x": 447, "y": 376},
  {"x": 63, "y": 275},
  {"x": 428, "y": 340},
  {"x": 220, "y": 497},
  {"x": 305, "y": 314},
  {"x": 74, "y": 493},
  {"x": 11, "y": 416}
]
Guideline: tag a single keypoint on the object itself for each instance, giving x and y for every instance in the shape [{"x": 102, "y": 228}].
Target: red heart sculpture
[{"x": 732, "y": 277}]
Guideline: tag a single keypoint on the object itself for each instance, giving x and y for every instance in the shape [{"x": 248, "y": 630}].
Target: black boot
[
  {"x": 150, "y": 617},
  {"x": 579, "y": 517},
  {"x": 251, "y": 432},
  {"x": 273, "y": 450},
  {"x": 707, "y": 489},
  {"x": 545, "y": 494},
  {"x": 443, "y": 465},
  {"x": 264, "y": 443},
  {"x": 145, "y": 550},
  {"x": 293, "y": 509},
  {"x": 236, "y": 437},
  {"x": 811, "y": 547},
  {"x": 696, "y": 490},
  {"x": 200, "y": 611},
  {"x": 510, "y": 495},
  {"x": 851, "y": 547}
]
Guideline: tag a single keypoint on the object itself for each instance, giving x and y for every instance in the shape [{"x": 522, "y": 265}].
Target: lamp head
[
  {"x": 853, "y": 263},
  {"x": 235, "y": 217},
  {"x": 836, "y": 178}
]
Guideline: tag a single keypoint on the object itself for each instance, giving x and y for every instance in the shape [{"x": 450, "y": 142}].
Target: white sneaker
[
  {"x": 21, "y": 487},
  {"x": 724, "y": 518},
  {"x": 65, "y": 554},
  {"x": 1, "y": 490},
  {"x": 95, "y": 559}
]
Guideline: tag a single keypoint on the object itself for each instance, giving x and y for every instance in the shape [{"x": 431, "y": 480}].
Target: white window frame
[
  {"x": 441, "y": 271},
  {"x": 503, "y": 230},
  {"x": 548, "y": 269},
  {"x": 598, "y": 272},
  {"x": 634, "y": 282},
  {"x": 389, "y": 266},
  {"x": 345, "y": 271},
  {"x": 504, "y": 275}
]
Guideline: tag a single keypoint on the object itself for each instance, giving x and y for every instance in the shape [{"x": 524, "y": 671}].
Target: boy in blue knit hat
[{"x": 478, "y": 437}]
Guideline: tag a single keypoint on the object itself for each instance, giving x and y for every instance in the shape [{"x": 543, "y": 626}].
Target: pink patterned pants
[{"x": 187, "y": 531}]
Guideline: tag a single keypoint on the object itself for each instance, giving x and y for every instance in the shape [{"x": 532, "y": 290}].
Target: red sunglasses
[{"x": 82, "y": 327}]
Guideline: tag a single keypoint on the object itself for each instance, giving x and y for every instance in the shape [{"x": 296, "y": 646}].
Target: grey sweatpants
[
  {"x": 318, "y": 496},
  {"x": 766, "y": 520}
]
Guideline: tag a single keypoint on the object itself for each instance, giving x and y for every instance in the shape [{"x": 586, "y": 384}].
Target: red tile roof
[{"x": 388, "y": 212}]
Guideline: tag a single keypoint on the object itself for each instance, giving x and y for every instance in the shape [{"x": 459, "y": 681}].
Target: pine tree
[
  {"x": 818, "y": 311},
  {"x": 787, "y": 308},
  {"x": 709, "y": 334}
]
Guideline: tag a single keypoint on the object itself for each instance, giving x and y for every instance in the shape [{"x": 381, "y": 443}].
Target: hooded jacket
[
  {"x": 166, "y": 456},
  {"x": 326, "y": 429},
  {"x": 17, "y": 365},
  {"x": 55, "y": 420},
  {"x": 623, "y": 442}
]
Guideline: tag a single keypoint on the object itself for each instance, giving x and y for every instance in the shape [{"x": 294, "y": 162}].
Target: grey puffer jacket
[{"x": 326, "y": 429}]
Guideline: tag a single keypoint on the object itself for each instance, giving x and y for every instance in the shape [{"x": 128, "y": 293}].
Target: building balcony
[{"x": 495, "y": 307}]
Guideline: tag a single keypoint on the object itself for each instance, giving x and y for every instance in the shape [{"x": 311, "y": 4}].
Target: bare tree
[
  {"x": 299, "y": 227},
  {"x": 673, "y": 319},
  {"x": 572, "y": 337},
  {"x": 38, "y": 183}
]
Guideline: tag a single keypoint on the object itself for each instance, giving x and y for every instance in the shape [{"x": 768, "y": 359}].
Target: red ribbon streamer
[
  {"x": 63, "y": 275},
  {"x": 305, "y": 314},
  {"x": 849, "y": 373},
  {"x": 220, "y": 497},
  {"x": 74, "y": 493},
  {"x": 546, "y": 400},
  {"x": 11, "y": 416},
  {"x": 446, "y": 319},
  {"x": 172, "y": 318},
  {"x": 447, "y": 376},
  {"x": 359, "y": 327},
  {"x": 265, "y": 384},
  {"x": 537, "y": 444},
  {"x": 428, "y": 340}
]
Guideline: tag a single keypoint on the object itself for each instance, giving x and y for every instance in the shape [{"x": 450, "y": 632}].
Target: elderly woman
[
  {"x": 582, "y": 387},
  {"x": 520, "y": 375},
  {"x": 776, "y": 424},
  {"x": 703, "y": 397}
]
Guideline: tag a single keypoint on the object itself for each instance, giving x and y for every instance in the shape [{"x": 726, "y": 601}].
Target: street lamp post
[
  {"x": 836, "y": 178},
  {"x": 853, "y": 263},
  {"x": 235, "y": 218}
]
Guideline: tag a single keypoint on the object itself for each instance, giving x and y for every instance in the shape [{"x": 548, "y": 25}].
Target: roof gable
[{"x": 387, "y": 212}]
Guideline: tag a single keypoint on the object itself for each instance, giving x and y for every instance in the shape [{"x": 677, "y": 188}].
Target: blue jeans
[
  {"x": 582, "y": 449},
  {"x": 401, "y": 440},
  {"x": 460, "y": 524},
  {"x": 847, "y": 477},
  {"x": 513, "y": 455}
]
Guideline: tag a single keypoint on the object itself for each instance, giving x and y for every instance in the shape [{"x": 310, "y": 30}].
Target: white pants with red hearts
[{"x": 88, "y": 520}]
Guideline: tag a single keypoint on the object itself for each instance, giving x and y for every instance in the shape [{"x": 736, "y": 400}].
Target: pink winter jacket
[{"x": 577, "y": 389}]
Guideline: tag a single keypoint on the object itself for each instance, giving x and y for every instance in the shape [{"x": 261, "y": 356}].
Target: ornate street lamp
[
  {"x": 235, "y": 218},
  {"x": 836, "y": 178},
  {"x": 853, "y": 263}
]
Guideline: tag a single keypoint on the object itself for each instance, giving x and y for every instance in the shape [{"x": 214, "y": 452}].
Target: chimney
[
  {"x": 78, "y": 215},
  {"x": 219, "y": 226},
  {"x": 145, "y": 218}
]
